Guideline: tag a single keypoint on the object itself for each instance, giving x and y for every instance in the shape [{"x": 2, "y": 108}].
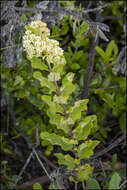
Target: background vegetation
[{"x": 100, "y": 76}]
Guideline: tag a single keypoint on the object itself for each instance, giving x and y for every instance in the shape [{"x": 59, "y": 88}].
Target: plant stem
[
  {"x": 41, "y": 163},
  {"x": 76, "y": 186}
]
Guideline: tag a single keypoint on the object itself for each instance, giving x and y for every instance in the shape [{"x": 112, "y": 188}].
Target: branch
[
  {"x": 89, "y": 69},
  {"x": 91, "y": 62},
  {"x": 24, "y": 167},
  {"x": 65, "y": 10},
  {"x": 111, "y": 18},
  {"x": 40, "y": 180},
  {"x": 110, "y": 147}
]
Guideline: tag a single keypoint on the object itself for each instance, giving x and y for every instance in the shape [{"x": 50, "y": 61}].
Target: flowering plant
[{"x": 48, "y": 60}]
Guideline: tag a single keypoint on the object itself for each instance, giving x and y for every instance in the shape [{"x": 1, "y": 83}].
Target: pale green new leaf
[
  {"x": 53, "y": 107},
  {"x": 67, "y": 89},
  {"x": 65, "y": 143},
  {"x": 66, "y": 160},
  {"x": 68, "y": 78},
  {"x": 57, "y": 120},
  {"x": 84, "y": 172},
  {"x": 75, "y": 111},
  {"x": 83, "y": 129},
  {"x": 85, "y": 150},
  {"x": 58, "y": 68},
  {"x": 37, "y": 186}
]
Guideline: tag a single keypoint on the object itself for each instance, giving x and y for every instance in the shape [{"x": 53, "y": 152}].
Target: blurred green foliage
[{"x": 107, "y": 92}]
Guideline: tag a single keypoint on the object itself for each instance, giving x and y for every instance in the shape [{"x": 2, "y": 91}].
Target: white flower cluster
[
  {"x": 38, "y": 45},
  {"x": 53, "y": 52},
  {"x": 33, "y": 45},
  {"x": 41, "y": 26}
]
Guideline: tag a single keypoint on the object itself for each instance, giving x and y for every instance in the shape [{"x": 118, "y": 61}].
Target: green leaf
[
  {"x": 83, "y": 129},
  {"x": 115, "y": 181},
  {"x": 37, "y": 63},
  {"x": 108, "y": 53},
  {"x": 64, "y": 30},
  {"x": 70, "y": 4},
  {"x": 101, "y": 52},
  {"x": 75, "y": 66},
  {"x": 84, "y": 172},
  {"x": 96, "y": 81},
  {"x": 60, "y": 122},
  {"x": 53, "y": 106},
  {"x": 68, "y": 78},
  {"x": 114, "y": 160},
  {"x": 46, "y": 83},
  {"x": 18, "y": 81},
  {"x": 37, "y": 75},
  {"x": 85, "y": 150},
  {"x": 75, "y": 111},
  {"x": 37, "y": 186},
  {"x": 58, "y": 68},
  {"x": 66, "y": 160},
  {"x": 92, "y": 184},
  {"x": 47, "y": 99},
  {"x": 65, "y": 143},
  {"x": 7, "y": 150},
  {"x": 4, "y": 162},
  {"x": 107, "y": 97},
  {"x": 53, "y": 76},
  {"x": 78, "y": 55},
  {"x": 67, "y": 89},
  {"x": 24, "y": 17},
  {"x": 123, "y": 121},
  {"x": 84, "y": 27}
]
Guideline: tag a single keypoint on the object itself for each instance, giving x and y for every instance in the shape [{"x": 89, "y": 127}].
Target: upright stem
[{"x": 76, "y": 186}]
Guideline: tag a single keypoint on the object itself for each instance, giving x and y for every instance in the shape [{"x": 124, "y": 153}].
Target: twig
[
  {"x": 91, "y": 62},
  {"x": 110, "y": 87},
  {"x": 65, "y": 10},
  {"x": 46, "y": 160},
  {"x": 40, "y": 180},
  {"x": 10, "y": 46},
  {"x": 41, "y": 163},
  {"x": 24, "y": 167},
  {"x": 37, "y": 135},
  {"x": 111, "y": 146},
  {"x": 123, "y": 184},
  {"x": 111, "y": 18},
  {"x": 120, "y": 58},
  {"x": 89, "y": 69},
  {"x": 76, "y": 185}
]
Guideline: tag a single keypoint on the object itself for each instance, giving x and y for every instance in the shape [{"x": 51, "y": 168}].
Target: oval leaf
[{"x": 115, "y": 181}]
